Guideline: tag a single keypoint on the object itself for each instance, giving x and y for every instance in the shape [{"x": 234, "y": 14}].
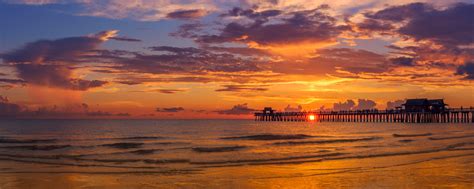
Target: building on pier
[{"x": 424, "y": 105}]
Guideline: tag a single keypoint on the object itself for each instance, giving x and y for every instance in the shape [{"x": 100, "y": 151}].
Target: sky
[{"x": 186, "y": 59}]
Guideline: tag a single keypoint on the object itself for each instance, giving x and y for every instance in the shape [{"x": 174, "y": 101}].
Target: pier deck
[{"x": 455, "y": 115}]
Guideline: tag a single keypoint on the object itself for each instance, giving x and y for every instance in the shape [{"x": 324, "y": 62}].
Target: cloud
[
  {"x": 333, "y": 60},
  {"x": 144, "y": 10},
  {"x": 348, "y": 105},
  {"x": 128, "y": 39},
  {"x": 187, "y": 14},
  {"x": 242, "y": 88},
  {"x": 55, "y": 76},
  {"x": 164, "y": 91},
  {"x": 13, "y": 110},
  {"x": 374, "y": 25},
  {"x": 8, "y": 109},
  {"x": 180, "y": 60},
  {"x": 392, "y": 105},
  {"x": 362, "y": 104},
  {"x": 47, "y": 62},
  {"x": 403, "y": 61},
  {"x": 12, "y": 81},
  {"x": 239, "y": 109},
  {"x": 106, "y": 114},
  {"x": 52, "y": 50},
  {"x": 466, "y": 70},
  {"x": 33, "y": 2},
  {"x": 169, "y": 91},
  {"x": 294, "y": 31},
  {"x": 365, "y": 104},
  {"x": 170, "y": 109},
  {"x": 449, "y": 27},
  {"x": 293, "y": 109}
]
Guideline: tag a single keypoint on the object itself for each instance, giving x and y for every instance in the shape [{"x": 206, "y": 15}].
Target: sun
[{"x": 312, "y": 117}]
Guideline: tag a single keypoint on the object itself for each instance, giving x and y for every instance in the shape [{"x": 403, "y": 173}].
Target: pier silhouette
[{"x": 412, "y": 111}]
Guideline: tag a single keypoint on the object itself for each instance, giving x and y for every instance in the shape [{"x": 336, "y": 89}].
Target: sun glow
[{"x": 312, "y": 117}]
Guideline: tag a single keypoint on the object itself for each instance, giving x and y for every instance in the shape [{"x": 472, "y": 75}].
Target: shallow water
[{"x": 233, "y": 154}]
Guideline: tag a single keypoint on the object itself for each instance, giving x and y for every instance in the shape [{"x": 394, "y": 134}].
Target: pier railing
[{"x": 453, "y": 115}]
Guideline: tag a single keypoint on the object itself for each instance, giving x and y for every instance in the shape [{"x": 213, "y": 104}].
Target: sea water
[{"x": 233, "y": 154}]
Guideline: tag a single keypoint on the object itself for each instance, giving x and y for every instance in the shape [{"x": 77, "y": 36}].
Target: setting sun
[{"x": 312, "y": 117}]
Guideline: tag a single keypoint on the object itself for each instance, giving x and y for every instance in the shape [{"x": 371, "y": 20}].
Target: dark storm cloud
[
  {"x": 187, "y": 14},
  {"x": 300, "y": 26},
  {"x": 449, "y": 27},
  {"x": 242, "y": 88},
  {"x": 239, "y": 109},
  {"x": 466, "y": 70},
  {"x": 170, "y": 109}
]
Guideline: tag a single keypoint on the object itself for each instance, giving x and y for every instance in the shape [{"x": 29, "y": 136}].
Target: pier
[
  {"x": 390, "y": 116},
  {"x": 413, "y": 111}
]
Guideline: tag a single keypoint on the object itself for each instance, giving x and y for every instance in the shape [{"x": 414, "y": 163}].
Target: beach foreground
[{"x": 233, "y": 154}]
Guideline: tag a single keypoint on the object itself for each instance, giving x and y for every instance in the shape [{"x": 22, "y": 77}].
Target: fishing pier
[{"x": 413, "y": 111}]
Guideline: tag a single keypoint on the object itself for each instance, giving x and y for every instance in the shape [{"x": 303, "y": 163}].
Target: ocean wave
[
  {"x": 451, "y": 137},
  {"x": 145, "y": 152},
  {"x": 170, "y": 143},
  {"x": 140, "y": 138},
  {"x": 412, "y": 135},
  {"x": 327, "y": 141},
  {"x": 269, "y": 137},
  {"x": 326, "y": 157},
  {"x": 165, "y": 161},
  {"x": 217, "y": 149},
  {"x": 406, "y": 140},
  {"x": 25, "y": 141},
  {"x": 37, "y": 147},
  {"x": 45, "y": 157},
  {"x": 75, "y": 164},
  {"x": 251, "y": 161},
  {"x": 124, "y": 145},
  {"x": 114, "y": 160}
]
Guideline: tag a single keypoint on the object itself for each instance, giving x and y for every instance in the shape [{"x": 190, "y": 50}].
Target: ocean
[{"x": 233, "y": 154}]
